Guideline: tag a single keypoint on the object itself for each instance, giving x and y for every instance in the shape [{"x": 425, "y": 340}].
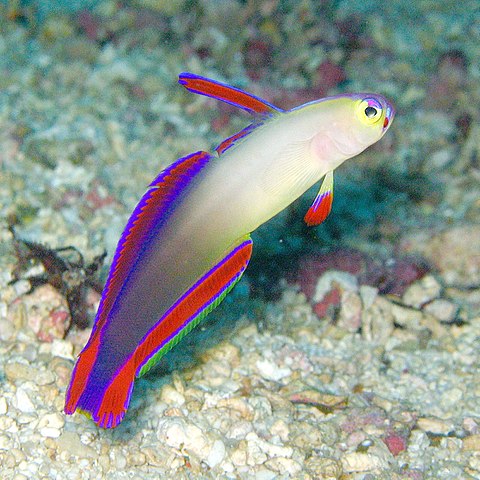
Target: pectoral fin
[{"x": 322, "y": 205}]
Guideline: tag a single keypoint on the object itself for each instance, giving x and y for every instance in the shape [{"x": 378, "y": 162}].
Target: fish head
[{"x": 347, "y": 124}]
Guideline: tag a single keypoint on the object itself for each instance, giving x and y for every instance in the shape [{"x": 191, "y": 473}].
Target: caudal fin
[{"x": 105, "y": 404}]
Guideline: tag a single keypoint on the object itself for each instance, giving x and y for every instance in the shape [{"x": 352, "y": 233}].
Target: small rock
[
  {"x": 472, "y": 443},
  {"x": 3, "y": 406},
  {"x": 47, "y": 313},
  {"x": 350, "y": 315},
  {"x": 270, "y": 449},
  {"x": 324, "y": 468},
  {"x": 62, "y": 348},
  {"x": 435, "y": 425},
  {"x": 422, "y": 292},
  {"x": 270, "y": 371},
  {"x": 7, "y": 330},
  {"x": 361, "y": 462},
  {"x": 216, "y": 454},
  {"x": 44, "y": 378},
  {"x": 136, "y": 458},
  {"x": 23, "y": 402},
  {"x": 442, "y": 309},
  {"x": 368, "y": 295},
  {"x": 346, "y": 281},
  {"x": 255, "y": 455},
  {"x": 18, "y": 371},
  {"x": 5, "y": 442},
  {"x": 49, "y": 432},
  {"x": 175, "y": 432},
  {"x": 52, "y": 420},
  {"x": 408, "y": 318},
  {"x": 378, "y": 321},
  {"x": 395, "y": 443},
  {"x": 239, "y": 405},
  {"x": 284, "y": 466},
  {"x": 70, "y": 442},
  {"x": 170, "y": 396},
  {"x": 265, "y": 474}
]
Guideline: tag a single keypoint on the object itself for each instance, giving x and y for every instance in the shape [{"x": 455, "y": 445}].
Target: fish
[{"x": 188, "y": 240}]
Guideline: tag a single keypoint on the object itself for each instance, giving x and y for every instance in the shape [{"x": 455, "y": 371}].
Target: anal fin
[{"x": 193, "y": 306}]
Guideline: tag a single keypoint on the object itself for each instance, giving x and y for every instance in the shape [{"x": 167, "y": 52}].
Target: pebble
[
  {"x": 3, "y": 406},
  {"x": 7, "y": 330},
  {"x": 357, "y": 462},
  {"x": 324, "y": 467},
  {"x": 171, "y": 396},
  {"x": 472, "y": 443},
  {"x": 45, "y": 377},
  {"x": 378, "y": 321},
  {"x": 62, "y": 348},
  {"x": 175, "y": 432},
  {"x": 50, "y": 432},
  {"x": 216, "y": 454},
  {"x": 442, "y": 309},
  {"x": 325, "y": 283},
  {"x": 70, "y": 443},
  {"x": 327, "y": 396},
  {"x": 18, "y": 371},
  {"x": 45, "y": 308},
  {"x": 271, "y": 371},
  {"x": 422, "y": 291},
  {"x": 284, "y": 466},
  {"x": 23, "y": 402},
  {"x": 350, "y": 314},
  {"x": 435, "y": 425},
  {"x": 406, "y": 317},
  {"x": 52, "y": 420}
]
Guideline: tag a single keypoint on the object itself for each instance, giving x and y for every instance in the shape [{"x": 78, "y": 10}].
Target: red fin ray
[
  {"x": 81, "y": 373},
  {"x": 225, "y": 93}
]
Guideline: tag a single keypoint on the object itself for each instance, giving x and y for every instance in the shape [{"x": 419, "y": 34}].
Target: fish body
[{"x": 188, "y": 240}]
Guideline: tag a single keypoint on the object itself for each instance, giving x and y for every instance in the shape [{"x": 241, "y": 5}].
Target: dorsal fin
[
  {"x": 230, "y": 141},
  {"x": 152, "y": 209},
  {"x": 225, "y": 93}
]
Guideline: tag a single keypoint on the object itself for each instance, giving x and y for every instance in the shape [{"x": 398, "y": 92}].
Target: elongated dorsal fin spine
[{"x": 225, "y": 93}]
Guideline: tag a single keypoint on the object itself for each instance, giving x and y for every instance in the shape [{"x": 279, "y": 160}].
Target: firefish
[{"x": 187, "y": 242}]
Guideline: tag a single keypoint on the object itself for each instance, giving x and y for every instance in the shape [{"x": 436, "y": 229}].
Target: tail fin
[
  {"x": 106, "y": 405},
  {"x": 80, "y": 375}
]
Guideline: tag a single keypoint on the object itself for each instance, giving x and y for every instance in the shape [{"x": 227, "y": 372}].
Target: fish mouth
[{"x": 389, "y": 116}]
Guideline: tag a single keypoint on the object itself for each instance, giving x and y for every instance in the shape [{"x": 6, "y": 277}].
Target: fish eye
[{"x": 371, "y": 112}]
